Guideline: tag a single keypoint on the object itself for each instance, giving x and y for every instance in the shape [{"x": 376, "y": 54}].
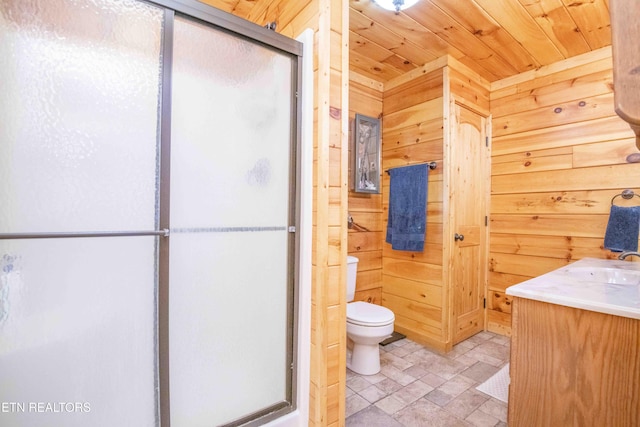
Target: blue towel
[
  {"x": 622, "y": 229},
  {"x": 407, "y": 219}
]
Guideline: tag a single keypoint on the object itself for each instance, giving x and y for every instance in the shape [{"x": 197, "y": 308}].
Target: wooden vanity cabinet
[{"x": 573, "y": 367}]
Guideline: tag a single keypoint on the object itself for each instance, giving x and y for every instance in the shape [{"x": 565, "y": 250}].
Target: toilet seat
[{"x": 366, "y": 314}]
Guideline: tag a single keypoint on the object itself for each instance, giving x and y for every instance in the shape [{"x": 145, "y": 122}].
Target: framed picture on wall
[{"x": 366, "y": 154}]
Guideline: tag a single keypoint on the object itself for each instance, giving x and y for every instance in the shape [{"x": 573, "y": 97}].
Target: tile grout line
[{"x": 416, "y": 385}]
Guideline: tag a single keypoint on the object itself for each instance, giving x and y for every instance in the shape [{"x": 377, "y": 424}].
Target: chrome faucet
[{"x": 623, "y": 255}]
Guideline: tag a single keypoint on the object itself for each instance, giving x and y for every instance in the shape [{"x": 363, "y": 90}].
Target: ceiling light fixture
[{"x": 396, "y": 5}]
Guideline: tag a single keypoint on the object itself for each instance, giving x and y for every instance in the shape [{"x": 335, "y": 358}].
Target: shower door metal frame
[
  {"x": 253, "y": 33},
  {"x": 267, "y": 38}
]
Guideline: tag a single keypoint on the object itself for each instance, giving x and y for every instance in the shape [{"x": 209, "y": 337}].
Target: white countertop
[{"x": 602, "y": 285}]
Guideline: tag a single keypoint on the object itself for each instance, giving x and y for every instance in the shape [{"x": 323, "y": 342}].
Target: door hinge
[
  {"x": 486, "y": 220},
  {"x": 484, "y": 303},
  {"x": 486, "y": 141}
]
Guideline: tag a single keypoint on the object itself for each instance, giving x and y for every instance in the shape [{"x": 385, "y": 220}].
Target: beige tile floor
[{"x": 418, "y": 387}]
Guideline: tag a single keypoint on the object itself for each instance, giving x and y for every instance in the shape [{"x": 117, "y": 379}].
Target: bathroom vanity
[{"x": 575, "y": 346}]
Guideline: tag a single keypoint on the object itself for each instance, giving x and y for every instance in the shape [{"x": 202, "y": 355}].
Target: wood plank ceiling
[{"x": 496, "y": 38}]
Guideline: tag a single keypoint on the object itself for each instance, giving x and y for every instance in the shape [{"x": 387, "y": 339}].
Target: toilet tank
[{"x": 352, "y": 270}]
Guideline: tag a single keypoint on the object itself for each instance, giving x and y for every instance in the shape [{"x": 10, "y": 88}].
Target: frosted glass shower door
[
  {"x": 231, "y": 247},
  {"x": 78, "y": 160}
]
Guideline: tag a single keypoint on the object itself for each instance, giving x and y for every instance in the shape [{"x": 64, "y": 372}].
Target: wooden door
[{"x": 469, "y": 183}]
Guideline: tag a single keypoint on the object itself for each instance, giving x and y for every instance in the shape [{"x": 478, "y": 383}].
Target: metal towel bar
[{"x": 432, "y": 165}]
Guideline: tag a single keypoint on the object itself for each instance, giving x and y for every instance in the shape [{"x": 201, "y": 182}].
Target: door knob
[{"x": 458, "y": 237}]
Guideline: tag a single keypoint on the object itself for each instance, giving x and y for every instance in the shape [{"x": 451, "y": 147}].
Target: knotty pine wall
[
  {"x": 329, "y": 20},
  {"x": 328, "y": 313},
  {"x": 414, "y": 125},
  {"x": 558, "y": 157},
  {"x": 413, "y": 133},
  {"x": 365, "y": 241}
]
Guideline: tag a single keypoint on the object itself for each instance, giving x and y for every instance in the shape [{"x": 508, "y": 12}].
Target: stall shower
[{"x": 149, "y": 182}]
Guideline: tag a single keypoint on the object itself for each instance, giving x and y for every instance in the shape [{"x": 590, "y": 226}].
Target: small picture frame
[{"x": 366, "y": 155}]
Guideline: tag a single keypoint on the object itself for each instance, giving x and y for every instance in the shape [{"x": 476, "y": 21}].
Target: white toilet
[{"x": 367, "y": 326}]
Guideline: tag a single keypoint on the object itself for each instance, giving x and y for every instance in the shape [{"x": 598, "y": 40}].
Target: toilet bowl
[{"x": 367, "y": 326}]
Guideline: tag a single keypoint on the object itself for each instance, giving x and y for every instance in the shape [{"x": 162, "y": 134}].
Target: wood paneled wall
[
  {"x": 412, "y": 126},
  {"x": 415, "y": 120},
  {"x": 558, "y": 157},
  {"x": 366, "y": 236},
  {"x": 328, "y": 313}
]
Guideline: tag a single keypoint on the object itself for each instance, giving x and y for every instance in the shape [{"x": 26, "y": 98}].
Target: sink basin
[
  {"x": 607, "y": 286},
  {"x": 616, "y": 276}
]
